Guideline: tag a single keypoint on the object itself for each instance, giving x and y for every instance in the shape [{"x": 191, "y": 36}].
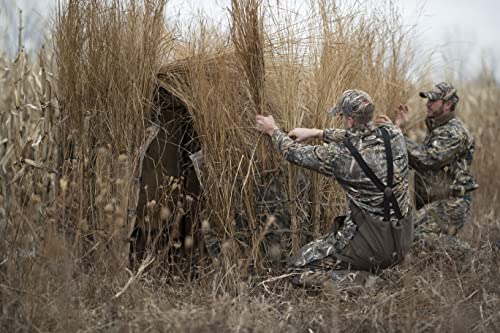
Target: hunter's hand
[
  {"x": 382, "y": 119},
  {"x": 303, "y": 135},
  {"x": 402, "y": 113},
  {"x": 265, "y": 124}
]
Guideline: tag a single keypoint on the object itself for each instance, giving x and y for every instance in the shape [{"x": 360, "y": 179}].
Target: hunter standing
[{"x": 371, "y": 165}]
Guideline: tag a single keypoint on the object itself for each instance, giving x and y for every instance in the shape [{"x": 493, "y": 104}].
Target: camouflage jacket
[
  {"x": 443, "y": 161},
  {"x": 333, "y": 159}
]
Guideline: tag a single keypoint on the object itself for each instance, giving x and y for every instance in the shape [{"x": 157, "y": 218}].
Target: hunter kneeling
[{"x": 371, "y": 165}]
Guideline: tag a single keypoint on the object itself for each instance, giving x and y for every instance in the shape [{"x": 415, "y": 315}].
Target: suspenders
[{"x": 389, "y": 197}]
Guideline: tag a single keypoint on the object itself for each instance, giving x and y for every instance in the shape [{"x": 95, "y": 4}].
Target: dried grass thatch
[{"x": 294, "y": 69}]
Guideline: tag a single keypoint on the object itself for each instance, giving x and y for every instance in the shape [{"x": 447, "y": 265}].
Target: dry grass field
[{"x": 74, "y": 210}]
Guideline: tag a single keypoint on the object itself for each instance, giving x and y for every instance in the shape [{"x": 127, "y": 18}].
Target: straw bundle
[{"x": 248, "y": 39}]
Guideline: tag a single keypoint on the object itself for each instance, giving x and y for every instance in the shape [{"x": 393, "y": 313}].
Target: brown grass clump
[
  {"x": 73, "y": 127},
  {"x": 108, "y": 54},
  {"x": 248, "y": 39}
]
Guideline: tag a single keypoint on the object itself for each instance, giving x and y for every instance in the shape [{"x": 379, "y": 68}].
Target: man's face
[
  {"x": 347, "y": 122},
  {"x": 435, "y": 108}
]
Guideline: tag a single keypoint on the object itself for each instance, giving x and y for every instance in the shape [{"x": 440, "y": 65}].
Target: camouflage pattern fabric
[
  {"x": 333, "y": 135},
  {"x": 443, "y": 176},
  {"x": 438, "y": 223},
  {"x": 443, "y": 161},
  {"x": 345, "y": 281},
  {"x": 354, "y": 103},
  {"x": 442, "y": 216},
  {"x": 316, "y": 273},
  {"x": 333, "y": 159},
  {"x": 443, "y": 90},
  {"x": 325, "y": 246}
]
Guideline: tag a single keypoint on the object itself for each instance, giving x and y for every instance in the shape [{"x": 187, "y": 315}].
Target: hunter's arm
[
  {"x": 311, "y": 157},
  {"x": 438, "y": 152}
]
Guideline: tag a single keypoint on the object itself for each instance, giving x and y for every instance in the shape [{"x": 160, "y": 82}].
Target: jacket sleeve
[
  {"x": 333, "y": 135},
  {"x": 439, "y": 151},
  {"x": 316, "y": 158}
]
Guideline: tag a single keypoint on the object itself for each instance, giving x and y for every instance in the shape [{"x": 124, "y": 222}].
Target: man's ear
[
  {"x": 448, "y": 105},
  {"x": 350, "y": 121}
]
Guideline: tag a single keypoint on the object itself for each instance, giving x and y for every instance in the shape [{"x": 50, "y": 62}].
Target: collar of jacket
[
  {"x": 433, "y": 123},
  {"x": 361, "y": 130}
]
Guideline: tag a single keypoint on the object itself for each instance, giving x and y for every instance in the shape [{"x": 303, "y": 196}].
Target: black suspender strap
[
  {"x": 388, "y": 156},
  {"x": 389, "y": 197},
  {"x": 368, "y": 171}
]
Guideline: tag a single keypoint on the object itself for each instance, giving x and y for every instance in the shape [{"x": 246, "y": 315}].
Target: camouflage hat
[
  {"x": 354, "y": 103},
  {"x": 442, "y": 90}
]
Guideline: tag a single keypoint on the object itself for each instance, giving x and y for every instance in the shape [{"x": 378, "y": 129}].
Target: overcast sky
[{"x": 460, "y": 31}]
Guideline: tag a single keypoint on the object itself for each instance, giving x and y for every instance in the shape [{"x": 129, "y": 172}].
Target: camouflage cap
[
  {"x": 354, "y": 103},
  {"x": 442, "y": 90}
]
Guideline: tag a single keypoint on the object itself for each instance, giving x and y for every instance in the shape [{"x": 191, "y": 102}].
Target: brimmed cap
[
  {"x": 354, "y": 103},
  {"x": 442, "y": 90}
]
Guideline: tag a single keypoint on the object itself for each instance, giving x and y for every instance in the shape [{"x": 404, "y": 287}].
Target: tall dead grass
[
  {"x": 479, "y": 108},
  {"x": 72, "y": 125},
  {"x": 108, "y": 55},
  {"x": 293, "y": 66},
  {"x": 72, "y": 128}
]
